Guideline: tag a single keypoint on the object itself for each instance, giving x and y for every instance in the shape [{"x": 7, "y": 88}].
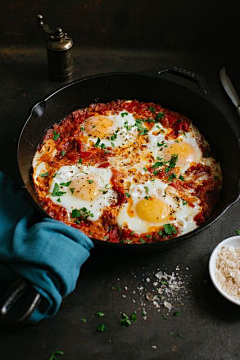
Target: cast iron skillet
[
  {"x": 194, "y": 103},
  {"x": 106, "y": 87}
]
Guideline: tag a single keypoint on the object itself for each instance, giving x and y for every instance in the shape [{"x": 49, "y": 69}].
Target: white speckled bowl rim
[{"x": 234, "y": 241}]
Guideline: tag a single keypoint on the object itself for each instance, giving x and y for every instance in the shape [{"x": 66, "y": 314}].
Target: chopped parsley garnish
[
  {"x": 152, "y": 109},
  {"x": 142, "y": 241},
  {"x": 147, "y": 189},
  {"x": 184, "y": 201},
  {"x": 163, "y": 282},
  {"x": 72, "y": 190},
  {"x": 80, "y": 161},
  {"x": 181, "y": 178},
  {"x": 148, "y": 236},
  {"x": 176, "y": 313},
  {"x": 171, "y": 333},
  {"x": 128, "y": 195},
  {"x": 237, "y": 231},
  {"x": 56, "y": 191},
  {"x": 165, "y": 317},
  {"x": 123, "y": 114},
  {"x": 172, "y": 162},
  {"x": 55, "y": 135},
  {"x": 82, "y": 213},
  {"x": 127, "y": 127},
  {"x": 84, "y": 320},
  {"x": 103, "y": 146},
  {"x": 172, "y": 176},
  {"x": 142, "y": 130},
  {"x": 58, "y": 200},
  {"x": 145, "y": 169},
  {"x": 162, "y": 144},
  {"x": 160, "y": 115},
  {"x": 170, "y": 229},
  {"x": 63, "y": 152},
  {"x": 45, "y": 174},
  {"x": 65, "y": 184},
  {"x": 155, "y": 172},
  {"x": 147, "y": 197},
  {"x": 53, "y": 355},
  {"x": 126, "y": 320},
  {"x": 100, "y": 314},
  {"x": 103, "y": 191},
  {"x": 90, "y": 181},
  {"x": 114, "y": 136},
  {"x": 181, "y": 336},
  {"x": 97, "y": 142},
  {"x": 101, "y": 328},
  {"x": 158, "y": 163}
]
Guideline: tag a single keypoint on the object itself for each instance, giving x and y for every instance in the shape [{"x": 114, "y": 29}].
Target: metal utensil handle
[
  {"x": 21, "y": 288},
  {"x": 187, "y": 74}
]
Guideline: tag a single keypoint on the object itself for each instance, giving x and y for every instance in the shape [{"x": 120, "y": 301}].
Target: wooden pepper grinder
[{"x": 60, "y": 61}]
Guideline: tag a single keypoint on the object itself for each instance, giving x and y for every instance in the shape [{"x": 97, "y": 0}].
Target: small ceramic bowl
[{"x": 235, "y": 242}]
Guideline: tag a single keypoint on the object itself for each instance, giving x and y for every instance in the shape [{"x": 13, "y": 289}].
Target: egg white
[
  {"x": 122, "y": 131},
  {"x": 181, "y": 212},
  {"x": 189, "y": 138},
  {"x": 101, "y": 178}
]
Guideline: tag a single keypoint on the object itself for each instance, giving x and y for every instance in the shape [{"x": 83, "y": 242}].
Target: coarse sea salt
[{"x": 228, "y": 270}]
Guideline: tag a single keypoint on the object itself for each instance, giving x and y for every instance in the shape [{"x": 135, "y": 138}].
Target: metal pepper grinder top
[{"x": 60, "y": 61}]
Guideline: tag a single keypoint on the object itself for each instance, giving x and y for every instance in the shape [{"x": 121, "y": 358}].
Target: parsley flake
[
  {"x": 170, "y": 229},
  {"x": 123, "y": 114},
  {"x": 56, "y": 191},
  {"x": 176, "y": 313},
  {"x": 53, "y": 355},
  {"x": 81, "y": 213},
  {"x": 56, "y": 136},
  {"x": 181, "y": 178},
  {"x": 100, "y": 314},
  {"x": 65, "y": 184},
  {"x": 126, "y": 320},
  {"x": 63, "y": 152},
  {"x": 152, "y": 109},
  {"x": 160, "y": 115},
  {"x": 45, "y": 174},
  {"x": 97, "y": 142},
  {"x": 172, "y": 176},
  {"x": 101, "y": 328},
  {"x": 237, "y": 231}
]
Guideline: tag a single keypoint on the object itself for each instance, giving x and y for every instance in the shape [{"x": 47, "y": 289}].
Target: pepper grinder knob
[{"x": 59, "y": 46}]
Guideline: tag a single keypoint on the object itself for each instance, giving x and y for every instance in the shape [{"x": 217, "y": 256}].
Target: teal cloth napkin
[{"x": 47, "y": 252}]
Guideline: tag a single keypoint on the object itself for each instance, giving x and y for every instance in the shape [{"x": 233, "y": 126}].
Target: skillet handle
[
  {"x": 189, "y": 75},
  {"x": 13, "y": 314}
]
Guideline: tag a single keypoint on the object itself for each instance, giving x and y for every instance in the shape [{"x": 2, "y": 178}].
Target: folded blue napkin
[{"x": 45, "y": 251}]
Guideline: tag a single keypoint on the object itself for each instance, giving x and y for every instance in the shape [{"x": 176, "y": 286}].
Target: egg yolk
[
  {"x": 99, "y": 126},
  {"x": 185, "y": 152},
  {"x": 84, "y": 189},
  {"x": 152, "y": 210}
]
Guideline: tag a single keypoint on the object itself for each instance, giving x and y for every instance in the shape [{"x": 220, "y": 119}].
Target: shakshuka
[{"x": 127, "y": 171}]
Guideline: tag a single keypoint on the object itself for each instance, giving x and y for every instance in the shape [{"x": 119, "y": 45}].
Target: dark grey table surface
[{"x": 208, "y": 326}]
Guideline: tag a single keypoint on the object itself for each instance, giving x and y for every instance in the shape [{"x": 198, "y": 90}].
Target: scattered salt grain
[
  {"x": 228, "y": 270},
  {"x": 154, "y": 347}
]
